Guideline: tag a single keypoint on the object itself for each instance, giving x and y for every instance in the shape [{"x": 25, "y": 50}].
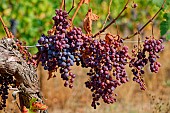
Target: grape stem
[
  {"x": 78, "y": 7},
  {"x": 62, "y": 4},
  {"x": 150, "y": 20},
  {"x": 5, "y": 27},
  {"x": 71, "y": 7},
  {"x": 113, "y": 21},
  {"x": 107, "y": 14}
]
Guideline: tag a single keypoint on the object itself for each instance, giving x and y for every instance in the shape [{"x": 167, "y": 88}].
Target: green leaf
[
  {"x": 164, "y": 27},
  {"x": 32, "y": 101},
  {"x": 168, "y": 37},
  {"x": 158, "y": 2},
  {"x": 167, "y": 17}
]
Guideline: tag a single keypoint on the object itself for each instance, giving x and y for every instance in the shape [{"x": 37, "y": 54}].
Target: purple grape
[
  {"x": 5, "y": 82},
  {"x": 62, "y": 49},
  {"x": 153, "y": 47},
  {"x": 102, "y": 61}
]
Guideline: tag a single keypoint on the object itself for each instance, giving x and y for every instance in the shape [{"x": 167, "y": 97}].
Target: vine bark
[{"x": 12, "y": 63}]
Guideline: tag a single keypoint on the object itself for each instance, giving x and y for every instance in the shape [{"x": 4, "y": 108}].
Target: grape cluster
[
  {"x": 102, "y": 86},
  {"x": 60, "y": 21},
  {"x": 62, "y": 49},
  {"x": 107, "y": 63},
  {"x": 65, "y": 46},
  {"x": 119, "y": 62},
  {"x": 5, "y": 81},
  {"x": 153, "y": 47},
  {"x": 138, "y": 63}
]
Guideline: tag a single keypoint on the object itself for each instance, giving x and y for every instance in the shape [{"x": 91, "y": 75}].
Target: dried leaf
[
  {"x": 39, "y": 106},
  {"x": 109, "y": 38},
  {"x": 24, "y": 110},
  {"x": 86, "y": 1},
  {"x": 52, "y": 31},
  {"x": 34, "y": 106},
  {"x": 87, "y": 23}
]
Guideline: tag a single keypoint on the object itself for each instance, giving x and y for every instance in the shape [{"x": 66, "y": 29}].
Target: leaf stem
[
  {"x": 113, "y": 21},
  {"x": 62, "y": 4},
  {"x": 5, "y": 27},
  {"x": 78, "y": 7},
  {"x": 71, "y": 7},
  {"x": 107, "y": 14}
]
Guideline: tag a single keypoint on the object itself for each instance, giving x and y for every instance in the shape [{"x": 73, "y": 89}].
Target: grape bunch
[
  {"x": 107, "y": 63},
  {"x": 5, "y": 82},
  {"x": 65, "y": 46},
  {"x": 153, "y": 47},
  {"x": 62, "y": 49},
  {"x": 138, "y": 63},
  {"x": 61, "y": 21}
]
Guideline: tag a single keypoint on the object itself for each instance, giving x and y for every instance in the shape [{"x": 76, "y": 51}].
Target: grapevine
[
  {"x": 106, "y": 58},
  {"x": 65, "y": 45}
]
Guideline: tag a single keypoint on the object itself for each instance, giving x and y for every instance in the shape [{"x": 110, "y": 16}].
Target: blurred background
[{"x": 31, "y": 18}]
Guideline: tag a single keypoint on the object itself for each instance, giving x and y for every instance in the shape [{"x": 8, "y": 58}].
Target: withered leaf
[
  {"x": 87, "y": 23},
  {"x": 52, "y": 31},
  {"x": 109, "y": 38}
]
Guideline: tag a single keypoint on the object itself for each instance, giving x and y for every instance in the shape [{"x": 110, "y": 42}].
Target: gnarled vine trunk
[{"x": 13, "y": 64}]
